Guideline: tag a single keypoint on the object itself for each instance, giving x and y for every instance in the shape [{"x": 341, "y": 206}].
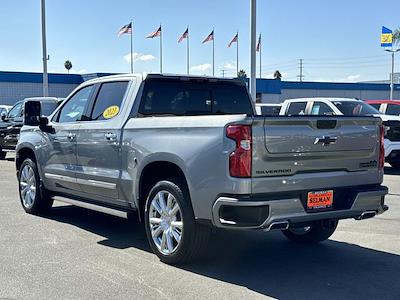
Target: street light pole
[
  {"x": 392, "y": 74},
  {"x": 253, "y": 29},
  {"x": 44, "y": 47}
]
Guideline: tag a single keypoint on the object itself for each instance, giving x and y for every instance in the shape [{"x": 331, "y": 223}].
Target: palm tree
[
  {"x": 68, "y": 65},
  {"x": 242, "y": 74},
  {"x": 396, "y": 37},
  {"x": 277, "y": 75}
]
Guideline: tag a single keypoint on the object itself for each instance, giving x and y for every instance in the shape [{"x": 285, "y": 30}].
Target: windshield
[
  {"x": 48, "y": 108},
  {"x": 355, "y": 108}
]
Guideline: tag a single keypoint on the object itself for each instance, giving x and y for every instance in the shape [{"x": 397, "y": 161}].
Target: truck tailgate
[{"x": 295, "y": 145}]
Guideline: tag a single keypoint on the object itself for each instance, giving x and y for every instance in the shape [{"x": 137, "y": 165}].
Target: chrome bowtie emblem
[{"x": 325, "y": 140}]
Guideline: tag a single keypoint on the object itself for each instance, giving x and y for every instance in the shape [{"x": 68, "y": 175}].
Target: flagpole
[
  {"x": 260, "y": 53},
  {"x": 188, "y": 51},
  {"x": 213, "y": 52},
  {"x": 161, "y": 62},
  {"x": 237, "y": 54},
  {"x": 131, "y": 46}
]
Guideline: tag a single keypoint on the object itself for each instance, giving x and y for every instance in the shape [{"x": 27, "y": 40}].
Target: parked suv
[
  {"x": 12, "y": 121},
  {"x": 188, "y": 154},
  {"x": 349, "y": 107}
]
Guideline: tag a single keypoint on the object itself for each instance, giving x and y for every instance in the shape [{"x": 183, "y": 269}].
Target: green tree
[
  {"x": 68, "y": 65},
  {"x": 277, "y": 75},
  {"x": 242, "y": 74}
]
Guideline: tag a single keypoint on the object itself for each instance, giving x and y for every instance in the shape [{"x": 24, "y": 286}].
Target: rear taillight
[
  {"x": 382, "y": 147},
  {"x": 240, "y": 159}
]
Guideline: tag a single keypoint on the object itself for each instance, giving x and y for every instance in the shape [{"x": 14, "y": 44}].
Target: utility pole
[
  {"x": 301, "y": 76},
  {"x": 44, "y": 48},
  {"x": 392, "y": 73},
  {"x": 223, "y": 73},
  {"x": 253, "y": 25}
]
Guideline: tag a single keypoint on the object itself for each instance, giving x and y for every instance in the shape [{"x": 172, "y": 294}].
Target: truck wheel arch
[
  {"x": 22, "y": 154},
  {"x": 152, "y": 173}
]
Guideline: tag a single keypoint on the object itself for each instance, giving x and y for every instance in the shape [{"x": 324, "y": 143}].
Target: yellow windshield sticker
[{"x": 110, "y": 112}]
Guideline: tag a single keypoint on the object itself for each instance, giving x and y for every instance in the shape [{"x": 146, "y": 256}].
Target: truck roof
[{"x": 144, "y": 76}]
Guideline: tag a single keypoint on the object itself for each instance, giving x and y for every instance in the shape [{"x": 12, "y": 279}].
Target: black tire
[
  {"x": 194, "y": 237},
  {"x": 42, "y": 201},
  {"x": 395, "y": 164},
  {"x": 2, "y": 155},
  {"x": 317, "y": 232}
]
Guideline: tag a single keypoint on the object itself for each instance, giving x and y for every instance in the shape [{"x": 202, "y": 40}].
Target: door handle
[
  {"x": 71, "y": 136},
  {"x": 110, "y": 136}
]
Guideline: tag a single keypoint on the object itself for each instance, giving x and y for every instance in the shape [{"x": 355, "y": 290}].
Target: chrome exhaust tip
[
  {"x": 278, "y": 225},
  {"x": 366, "y": 215}
]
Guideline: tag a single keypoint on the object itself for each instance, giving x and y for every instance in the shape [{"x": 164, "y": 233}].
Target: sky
[{"x": 337, "y": 40}]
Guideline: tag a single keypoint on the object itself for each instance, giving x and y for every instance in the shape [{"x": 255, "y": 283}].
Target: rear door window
[
  {"x": 297, "y": 108},
  {"x": 377, "y": 106},
  {"x": 393, "y": 109},
  {"x": 321, "y": 109},
  {"x": 109, "y": 100}
]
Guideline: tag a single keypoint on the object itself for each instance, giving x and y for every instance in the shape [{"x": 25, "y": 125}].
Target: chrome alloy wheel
[
  {"x": 166, "y": 223},
  {"x": 27, "y": 186}
]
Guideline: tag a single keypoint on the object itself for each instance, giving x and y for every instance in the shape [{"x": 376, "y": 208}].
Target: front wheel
[
  {"x": 33, "y": 199},
  {"x": 314, "y": 233},
  {"x": 173, "y": 234}
]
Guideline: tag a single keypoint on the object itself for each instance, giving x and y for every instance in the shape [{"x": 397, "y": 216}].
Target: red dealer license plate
[{"x": 320, "y": 199}]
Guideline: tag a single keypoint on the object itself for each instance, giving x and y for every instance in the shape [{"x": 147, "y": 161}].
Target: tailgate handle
[
  {"x": 326, "y": 124},
  {"x": 325, "y": 140}
]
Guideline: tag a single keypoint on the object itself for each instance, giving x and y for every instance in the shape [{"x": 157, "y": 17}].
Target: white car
[{"x": 349, "y": 107}]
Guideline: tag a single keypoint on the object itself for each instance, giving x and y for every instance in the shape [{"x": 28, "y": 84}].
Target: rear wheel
[
  {"x": 395, "y": 164},
  {"x": 314, "y": 233},
  {"x": 173, "y": 234},
  {"x": 33, "y": 198}
]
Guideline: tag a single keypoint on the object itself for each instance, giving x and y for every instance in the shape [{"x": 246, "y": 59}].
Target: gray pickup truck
[{"x": 188, "y": 153}]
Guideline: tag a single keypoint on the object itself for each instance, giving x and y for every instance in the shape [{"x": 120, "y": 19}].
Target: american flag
[
  {"x": 258, "y": 47},
  {"x": 185, "y": 35},
  {"x": 155, "y": 33},
  {"x": 209, "y": 38},
  {"x": 234, "y": 40},
  {"x": 125, "y": 29}
]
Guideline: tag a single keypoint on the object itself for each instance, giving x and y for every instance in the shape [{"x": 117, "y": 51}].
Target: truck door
[
  {"x": 60, "y": 165},
  {"x": 99, "y": 143}
]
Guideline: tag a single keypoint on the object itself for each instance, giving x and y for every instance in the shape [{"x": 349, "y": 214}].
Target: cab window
[
  {"x": 109, "y": 100},
  {"x": 297, "y": 108},
  {"x": 321, "y": 109},
  {"x": 377, "y": 106},
  {"x": 393, "y": 109},
  {"x": 73, "y": 110}
]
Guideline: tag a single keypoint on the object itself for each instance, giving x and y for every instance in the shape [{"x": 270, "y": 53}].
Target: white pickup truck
[{"x": 349, "y": 107}]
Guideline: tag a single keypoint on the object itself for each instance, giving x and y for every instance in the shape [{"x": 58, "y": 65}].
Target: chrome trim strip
[
  {"x": 60, "y": 177},
  {"x": 95, "y": 183}
]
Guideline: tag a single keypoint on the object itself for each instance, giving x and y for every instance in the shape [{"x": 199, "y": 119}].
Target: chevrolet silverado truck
[
  {"x": 187, "y": 154},
  {"x": 350, "y": 107}
]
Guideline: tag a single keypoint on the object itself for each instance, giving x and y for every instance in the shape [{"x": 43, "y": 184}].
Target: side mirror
[
  {"x": 32, "y": 113},
  {"x": 3, "y": 116}
]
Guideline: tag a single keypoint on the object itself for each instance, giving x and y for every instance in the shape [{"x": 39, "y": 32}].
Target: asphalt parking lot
[{"x": 74, "y": 253}]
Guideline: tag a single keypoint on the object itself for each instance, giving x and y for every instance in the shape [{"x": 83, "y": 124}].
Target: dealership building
[{"x": 16, "y": 86}]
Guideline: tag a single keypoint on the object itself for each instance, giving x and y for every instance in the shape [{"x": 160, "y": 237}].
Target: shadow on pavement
[{"x": 266, "y": 263}]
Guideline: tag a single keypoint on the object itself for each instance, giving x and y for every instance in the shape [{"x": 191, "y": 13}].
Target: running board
[{"x": 102, "y": 209}]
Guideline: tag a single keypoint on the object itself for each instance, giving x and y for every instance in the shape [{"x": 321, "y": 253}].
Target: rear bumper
[{"x": 290, "y": 212}]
